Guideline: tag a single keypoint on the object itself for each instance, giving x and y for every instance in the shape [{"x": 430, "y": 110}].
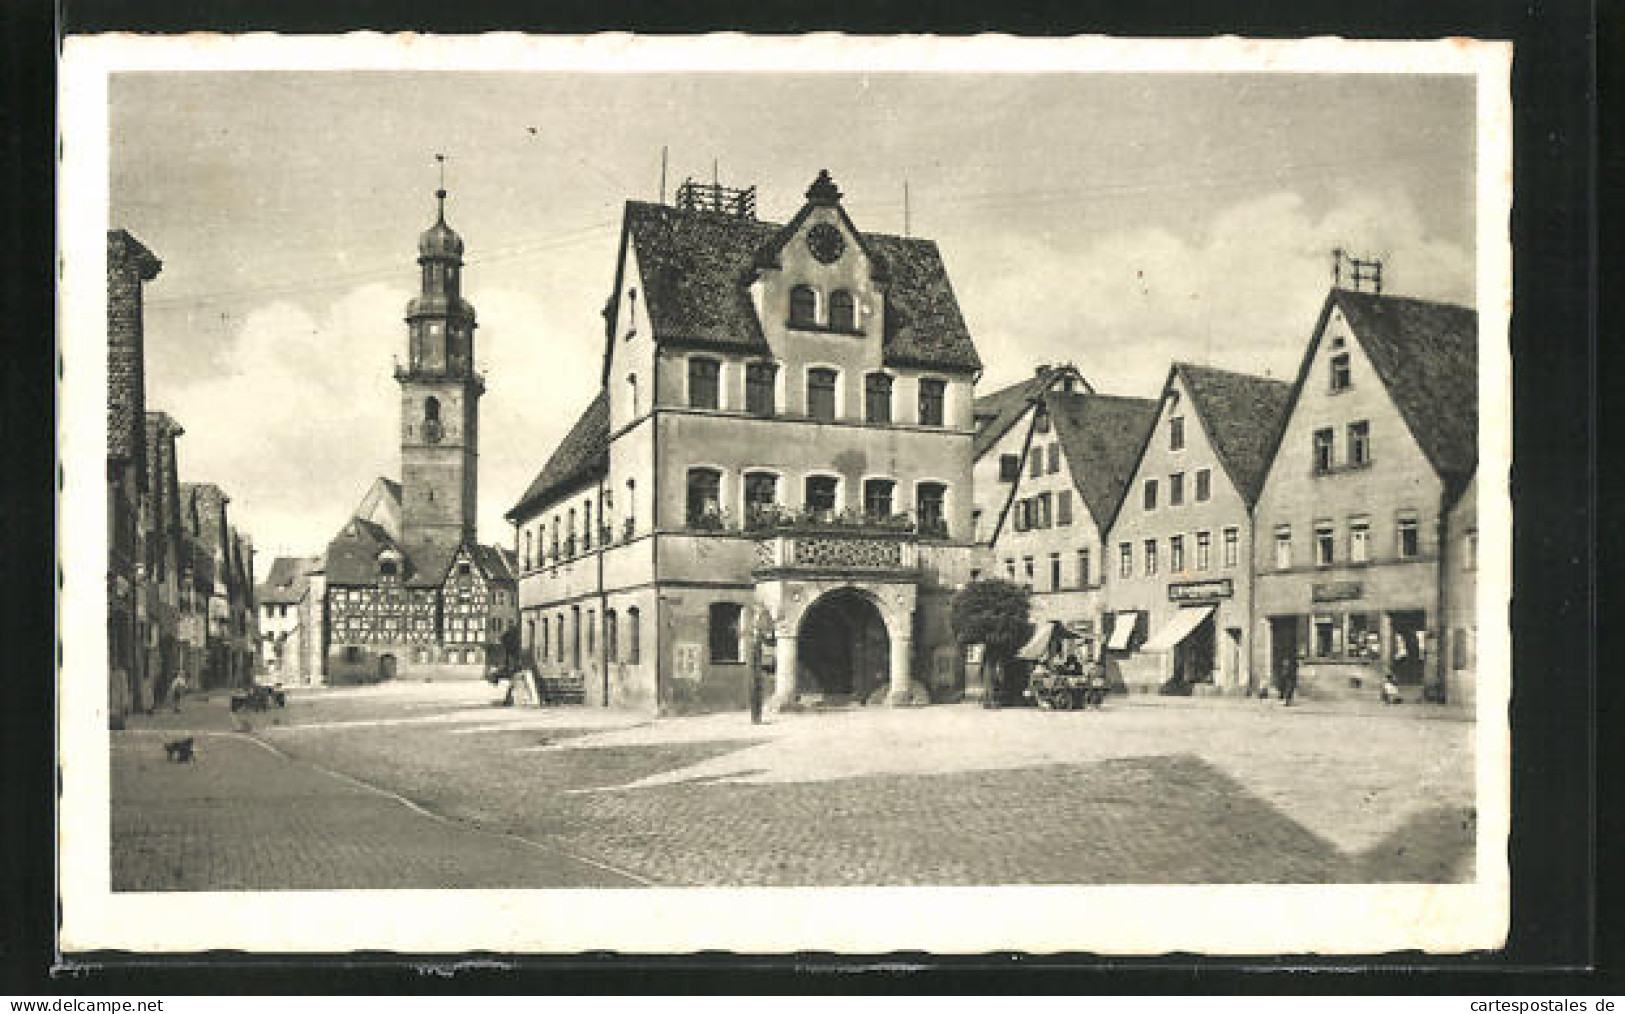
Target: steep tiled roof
[
  {"x": 1427, "y": 356},
  {"x": 352, "y": 556},
  {"x": 697, "y": 267},
  {"x": 163, "y": 492},
  {"x": 494, "y": 562},
  {"x": 1241, "y": 414},
  {"x": 1101, "y": 435},
  {"x": 427, "y": 564},
  {"x": 997, "y": 411},
  {"x": 209, "y": 501},
  {"x": 287, "y": 581},
  {"x": 581, "y": 456}
]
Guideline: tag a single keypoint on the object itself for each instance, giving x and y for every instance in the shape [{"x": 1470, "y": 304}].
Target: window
[
  {"x": 1009, "y": 467},
  {"x": 1325, "y": 642},
  {"x": 1063, "y": 507},
  {"x": 1023, "y": 515},
  {"x": 702, "y": 382},
  {"x": 592, "y": 631},
  {"x": 431, "y": 410},
  {"x": 1150, "y": 494},
  {"x": 1010, "y": 569},
  {"x": 632, "y": 394},
  {"x": 1176, "y": 433},
  {"x": 1150, "y": 557},
  {"x": 821, "y": 393},
  {"x": 820, "y": 494},
  {"x": 932, "y": 395},
  {"x": 1340, "y": 372},
  {"x": 1045, "y": 514},
  {"x": 1055, "y": 571},
  {"x": 1232, "y": 540},
  {"x": 527, "y": 551},
  {"x": 725, "y": 631},
  {"x": 976, "y": 521},
  {"x": 631, "y": 506},
  {"x": 586, "y": 524},
  {"x": 1041, "y": 422},
  {"x": 1323, "y": 451},
  {"x": 634, "y": 644},
  {"x": 877, "y": 498},
  {"x": 761, "y": 494},
  {"x": 1363, "y": 637},
  {"x": 803, "y": 305},
  {"x": 1325, "y": 544},
  {"x": 1083, "y": 568},
  {"x": 1176, "y": 489},
  {"x": 841, "y": 315},
  {"x": 561, "y": 638},
  {"x": 1360, "y": 443},
  {"x": 1125, "y": 559},
  {"x": 1054, "y": 457},
  {"x": 1283, "y": 547},
  {"x": 612, "y": 637},
  {"x": 1035, "y": 462},
  {"x": 928, "y": 499},
  {"x": 1204, "y": 550},
  {"x": 1359, "y": 540},
  {"x": 1469, "y": 551},
  {"x": 1204, "y": 485},
  {"x": 1027, "y": 569},
  {"x": 877, "y": 398},
  {"x": 541, "y": 647},
  {"x": 759, "y": 381},
  {"x": 386, "y": 568},
  {"x": 1409, "y": 546},
  {"x": 1176, "y": 554},
  {"x": 704, "y": 497}
]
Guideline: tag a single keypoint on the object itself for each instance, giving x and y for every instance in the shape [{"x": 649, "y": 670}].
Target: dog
[{"x": 180, "y": 751}]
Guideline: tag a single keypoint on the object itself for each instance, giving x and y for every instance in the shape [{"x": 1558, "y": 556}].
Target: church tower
[{"x": 440, "y": 395}]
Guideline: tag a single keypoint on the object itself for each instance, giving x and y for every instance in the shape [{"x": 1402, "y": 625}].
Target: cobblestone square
[{"x": 417, "y": 786}]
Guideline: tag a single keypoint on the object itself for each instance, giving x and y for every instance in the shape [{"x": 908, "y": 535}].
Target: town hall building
[
  {"x": 779, "y": 456},
  {"x": 409, "y": 590}
]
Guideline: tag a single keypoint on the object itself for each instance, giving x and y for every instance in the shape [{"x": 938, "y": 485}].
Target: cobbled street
[{"x": 426, "y": 786}]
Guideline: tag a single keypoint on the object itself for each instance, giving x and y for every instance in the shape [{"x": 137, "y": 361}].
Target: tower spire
[{"x": 440, "y": 193}]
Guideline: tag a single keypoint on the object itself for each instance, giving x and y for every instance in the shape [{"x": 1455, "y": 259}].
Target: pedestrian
[
  {"x": 1289, "y": 681},
  {"x": 177, "y": 687}
]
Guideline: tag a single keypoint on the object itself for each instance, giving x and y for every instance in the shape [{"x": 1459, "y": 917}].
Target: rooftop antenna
[{"x": 1361, "y": 271}]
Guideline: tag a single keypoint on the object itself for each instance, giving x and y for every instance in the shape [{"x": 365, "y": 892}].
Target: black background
[{"x": 1563, "y": 842}]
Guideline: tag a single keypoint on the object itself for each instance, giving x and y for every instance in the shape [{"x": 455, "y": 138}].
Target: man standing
[
  {"x": 1289, "y": 680},
  {"x": 177, "y": 688}
]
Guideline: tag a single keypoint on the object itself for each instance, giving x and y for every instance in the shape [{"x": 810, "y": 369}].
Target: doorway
[
  {"x": 1283, "y": 646},
  {"x": 1407, "y": 648},
  {"x": 386, "y": 667},
  {"x": 844, "y": 652},
  {"x": 1193, "y": 657}
]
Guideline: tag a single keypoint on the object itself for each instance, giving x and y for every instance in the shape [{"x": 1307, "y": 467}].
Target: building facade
[
  {"x": 130, "y": 266},
  {"x": 283, "y": 655},
  {"x": 166, "y": 555},
  {"x": 217, "y": 620},
  {"x": 1364, "y": 498},
  {"x": 780, "y": 454},
  {"x": 405, "y": 588},
  {"x": 1180, "y": 546},
  {"x": 1062, "y": 475}
]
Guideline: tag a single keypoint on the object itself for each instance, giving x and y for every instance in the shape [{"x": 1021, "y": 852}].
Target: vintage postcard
[{"x": 541, "y": 494}]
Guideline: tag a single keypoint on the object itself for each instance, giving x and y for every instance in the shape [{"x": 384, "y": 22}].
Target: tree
[{"x": 994, "y": 614}]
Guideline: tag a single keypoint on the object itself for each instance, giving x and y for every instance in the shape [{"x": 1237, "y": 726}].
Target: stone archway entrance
[{"x": 844, "y": 649}]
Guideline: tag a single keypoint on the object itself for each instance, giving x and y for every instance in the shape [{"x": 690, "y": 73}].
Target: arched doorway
[{"x": 843, "y": 649}]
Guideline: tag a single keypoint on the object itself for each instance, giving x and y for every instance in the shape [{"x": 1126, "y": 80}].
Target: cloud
[{"x": 1240, "y": 290}]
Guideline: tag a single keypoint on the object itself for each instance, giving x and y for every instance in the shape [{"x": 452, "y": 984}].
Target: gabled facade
[
  {"x": 282, "y": 628},
  {"x": 783, "y": 438},
  {"x": 1362, "y": 498},
  {"x": 1049, "y": 521},
  {"x": 1180, "y": 547},
  {"x": 1003, "y": 421}
]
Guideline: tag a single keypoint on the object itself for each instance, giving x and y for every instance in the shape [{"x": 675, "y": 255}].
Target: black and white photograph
[{"x": 764, "y": 494}]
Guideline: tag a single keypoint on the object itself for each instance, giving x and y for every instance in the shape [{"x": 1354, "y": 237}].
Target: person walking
[
  {"x": 177, "y": 688},
  {"x": 1289, "y": 681}
]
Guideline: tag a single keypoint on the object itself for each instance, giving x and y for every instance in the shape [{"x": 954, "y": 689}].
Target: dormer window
[
  {"x": 803, "y": 306},
  {"x": 842, "y": 312}
]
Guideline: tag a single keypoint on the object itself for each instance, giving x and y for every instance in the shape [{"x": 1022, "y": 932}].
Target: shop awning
[
  {"x": 1122, "y": 630},
  {"x": 1038, "y": 646},
  {"x": 1178, "y": 628}
]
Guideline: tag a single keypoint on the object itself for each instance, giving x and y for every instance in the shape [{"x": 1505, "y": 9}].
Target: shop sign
[
  {"x": 1200, "y": 591},
  {"x": 1335, "y": 591}
]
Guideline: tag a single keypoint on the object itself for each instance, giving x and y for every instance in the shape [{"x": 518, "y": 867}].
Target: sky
[{"x": 1119, "y": 222}]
